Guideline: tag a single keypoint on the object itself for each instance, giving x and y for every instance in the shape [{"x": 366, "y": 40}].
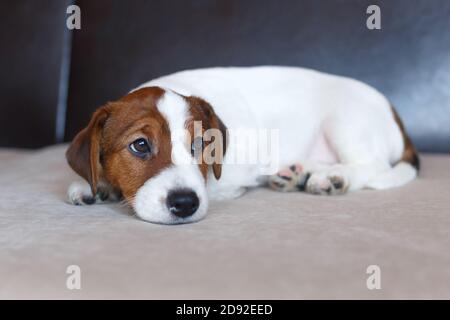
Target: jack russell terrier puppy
[{"x": 335, "y": 135}]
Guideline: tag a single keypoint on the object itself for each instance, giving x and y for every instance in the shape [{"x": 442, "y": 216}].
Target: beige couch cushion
[{"x": 263, "y": 245}]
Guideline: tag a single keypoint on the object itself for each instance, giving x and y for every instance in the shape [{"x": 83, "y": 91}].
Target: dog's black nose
[{"x": 182, "y": 203}]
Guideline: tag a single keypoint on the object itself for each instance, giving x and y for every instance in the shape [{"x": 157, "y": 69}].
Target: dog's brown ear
[
  {"x": 211, "y": 120},
  {"x": 83, "y": 154},
  {"x": 216, "y": 123}
]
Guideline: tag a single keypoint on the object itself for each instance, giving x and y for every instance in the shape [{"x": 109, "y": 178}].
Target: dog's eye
[
  {"x": 197, "y": 147},
  {"x": 140, "y": 147}
]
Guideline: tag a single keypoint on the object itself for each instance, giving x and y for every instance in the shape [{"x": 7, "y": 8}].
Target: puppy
[{"x": 333, "y": 135}]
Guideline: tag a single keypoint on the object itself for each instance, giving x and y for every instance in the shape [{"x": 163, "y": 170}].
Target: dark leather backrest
[
  {"x": 31, "y": 44},
  {"x": 124, "y": 43}
]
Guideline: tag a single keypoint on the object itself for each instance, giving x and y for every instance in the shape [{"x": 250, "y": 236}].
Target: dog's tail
[{"x": 405, "y": 170}]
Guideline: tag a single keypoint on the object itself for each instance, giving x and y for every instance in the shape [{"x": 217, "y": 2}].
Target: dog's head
[{"x": 157, "y": 147}]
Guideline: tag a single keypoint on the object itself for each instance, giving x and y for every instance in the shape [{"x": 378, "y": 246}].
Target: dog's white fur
[{"x": 334, "y": 126}]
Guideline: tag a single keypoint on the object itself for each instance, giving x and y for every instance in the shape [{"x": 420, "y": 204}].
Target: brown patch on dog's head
[{"x": 100, "y": 152}]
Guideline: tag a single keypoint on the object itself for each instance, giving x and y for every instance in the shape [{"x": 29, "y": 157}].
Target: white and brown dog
[{"x": 335, "y": 135}]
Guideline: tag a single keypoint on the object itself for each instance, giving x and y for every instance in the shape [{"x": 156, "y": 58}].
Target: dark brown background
[{"x": 124, "y": 43}]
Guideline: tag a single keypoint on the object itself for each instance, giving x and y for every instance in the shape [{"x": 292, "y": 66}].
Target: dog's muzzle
[{"x": 176, "y": 195}]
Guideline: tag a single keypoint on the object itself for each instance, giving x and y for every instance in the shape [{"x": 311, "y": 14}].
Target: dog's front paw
[
  {"x": 79, "y": 193},
  {"x": 326, "y": 184},
  {"x": 289, "y": 179}
]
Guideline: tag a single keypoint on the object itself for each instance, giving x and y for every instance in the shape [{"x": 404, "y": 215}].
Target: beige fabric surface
[{"x": 263, "y": 245}]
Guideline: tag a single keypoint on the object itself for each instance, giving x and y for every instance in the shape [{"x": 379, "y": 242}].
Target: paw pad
[
  {"x": 297, "y": 168},
  {"x": 337, "y": 182},
  {"x": 88, "y": 200},
  {"x": 326, "y": 185},
  {"x": 289, "y": 179}
]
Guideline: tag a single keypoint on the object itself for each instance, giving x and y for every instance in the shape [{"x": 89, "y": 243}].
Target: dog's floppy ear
[
  {"x": 83, "y": 154},
  {"x": 216, "y": 123},
  {"x": 212, "y": 121}
]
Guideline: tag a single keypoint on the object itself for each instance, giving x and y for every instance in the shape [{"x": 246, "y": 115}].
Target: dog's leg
[
  {"x": 362, "y": 153},
  {"x": 325, "y": 179},
  {"x": 340, "y": 178},
  {"x": 79, "y": 193}
]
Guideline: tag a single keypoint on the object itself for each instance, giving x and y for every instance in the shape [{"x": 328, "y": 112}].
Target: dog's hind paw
[
  {"x": 323, "y": 184},
  {"x": 289, "y": 179}
]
